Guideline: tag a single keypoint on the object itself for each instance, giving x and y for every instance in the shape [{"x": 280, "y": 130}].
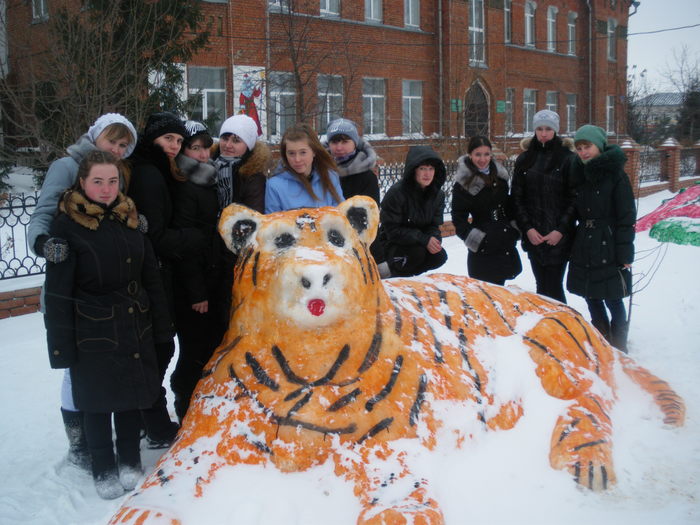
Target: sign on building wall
[{"x": 249, "y": 94}]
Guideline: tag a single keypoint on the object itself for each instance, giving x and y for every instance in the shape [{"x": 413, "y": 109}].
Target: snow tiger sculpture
[{"x": 323, "y": 360}]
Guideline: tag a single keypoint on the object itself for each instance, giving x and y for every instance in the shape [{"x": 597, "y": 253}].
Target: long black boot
[
  {"x": 127, "y": 425},
  {"x": 618, "y": 332},
  {"x": 78, "y": 453},
  {"x": 98, "y": 431},
  {"x": 604, "y": 329},
  {"x": 160, "y": 429}
]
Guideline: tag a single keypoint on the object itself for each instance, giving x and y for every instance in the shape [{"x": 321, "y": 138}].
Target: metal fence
[
  {"x": 16, "y": 259},
  {"x": 649, "y": 166}
]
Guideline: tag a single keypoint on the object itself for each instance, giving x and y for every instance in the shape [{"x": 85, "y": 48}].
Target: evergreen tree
[{"x": 689, "y": 118}]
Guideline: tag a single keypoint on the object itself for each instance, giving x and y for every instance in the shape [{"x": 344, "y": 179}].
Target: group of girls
[
  {"x": 570, "y": 208},
  {"x": 128, "y": 225}
]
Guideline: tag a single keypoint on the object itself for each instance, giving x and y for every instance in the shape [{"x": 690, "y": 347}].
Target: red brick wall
[{"x": 19, "y": 302}]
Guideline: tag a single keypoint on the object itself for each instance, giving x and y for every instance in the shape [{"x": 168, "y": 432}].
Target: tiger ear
[
  {"x": 237, "y": 226},
  {"x": 363, "y": 215}
]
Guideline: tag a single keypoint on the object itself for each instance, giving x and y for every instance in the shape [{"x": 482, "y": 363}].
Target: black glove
[
  {"x": 55, "y": 250},
  {"x": 39, "y": 245}
]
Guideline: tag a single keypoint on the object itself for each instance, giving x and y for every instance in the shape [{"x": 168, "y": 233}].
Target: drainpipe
[
  {"x": 440, "y": 67},
  {"x": 590, "y": 62}
]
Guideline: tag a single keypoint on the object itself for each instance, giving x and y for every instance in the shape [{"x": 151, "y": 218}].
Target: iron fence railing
[
  {"x": 16, "y": 259},
  {"x": 689, "y": 165},
  {"x": 649, "y": 166}
]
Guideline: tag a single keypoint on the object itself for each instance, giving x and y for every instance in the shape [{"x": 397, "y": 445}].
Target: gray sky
[{"x": 653, "y": 51}]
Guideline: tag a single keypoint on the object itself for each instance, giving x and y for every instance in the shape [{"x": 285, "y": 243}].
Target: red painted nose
[{"x": 316, "y": 306}]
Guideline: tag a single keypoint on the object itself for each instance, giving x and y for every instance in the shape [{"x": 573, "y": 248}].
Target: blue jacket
[{"x": 285, "y": 192}]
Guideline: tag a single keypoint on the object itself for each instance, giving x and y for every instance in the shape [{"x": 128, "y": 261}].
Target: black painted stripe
[
  {"x": 570, "y": 427},
  {"x": 589, "y": 444},
  {"x": 571, "y": 335},
  {"x": 462, "y": 339},
  {"x": 550, "y": 354},
  {"x": 345, "y": 400},
  {"x": 398, "y": 319},
  {"x": 375, "y": 346},
  {"x": 220, "y": 354},
  {"x": 398, "y": 363},
  {"x": 291, "y": 422},
  {"x": 382, "y": 425},
  {"x": 342, "y": 357},
  {"x": 260, "y": 373},
  {"x": 299, "y": 404},
  {"x": 362, "y": 266},
  {"x": 286, "y": 369},
  {"x": 420, "y": 396},
  {"x": 443, "y": 300},
  {"x": 497, "y": 307},
  {"x": 244, "y": 262},
  {"x": 255, "y": 268}
]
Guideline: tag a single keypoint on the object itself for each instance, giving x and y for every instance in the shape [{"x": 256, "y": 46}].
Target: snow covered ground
[{"x": 496, "y": 478}]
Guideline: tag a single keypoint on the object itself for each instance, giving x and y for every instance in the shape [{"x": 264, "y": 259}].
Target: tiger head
[{"x": 307, "y": 268}]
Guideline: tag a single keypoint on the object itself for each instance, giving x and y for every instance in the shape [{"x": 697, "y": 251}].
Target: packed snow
[{"x": 499, "y": 477}]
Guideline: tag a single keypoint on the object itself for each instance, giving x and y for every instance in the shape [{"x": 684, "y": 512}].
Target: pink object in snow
[{"x": 685, "y": 204}]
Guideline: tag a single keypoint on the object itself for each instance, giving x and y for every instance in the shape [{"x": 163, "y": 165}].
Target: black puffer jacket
[
  {"x": 105, "y": 306},
  {"x": 605, "y": 212},
  {"x": 490, "y": 236},
  {"x": 409, "y": 214},
  {"x": 542, "y": 198}
]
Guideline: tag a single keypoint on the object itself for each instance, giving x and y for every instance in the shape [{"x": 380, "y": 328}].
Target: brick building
[{"x": 405, "y": 70}]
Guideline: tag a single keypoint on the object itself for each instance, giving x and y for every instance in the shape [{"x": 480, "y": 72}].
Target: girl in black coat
[
  {"x": 411, "y": 214},
  {"x": 543, "y": 203},
  {"x": 601, "y": 259},
  {"x": 153, "y": 181},
  {"x": 200, "y": 318},
  {"x": 105, "y": 309},
  {"x": 481, "y": 192}
]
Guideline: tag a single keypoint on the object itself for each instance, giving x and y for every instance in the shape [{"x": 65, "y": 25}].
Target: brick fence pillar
[
  {"x": 18, "y": 302},
  {"x": 671, "y": 163},
  {"x": 632, "y": 167}
]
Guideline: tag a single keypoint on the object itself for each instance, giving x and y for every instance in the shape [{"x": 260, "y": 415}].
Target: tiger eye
[
  {"x": 284, "y": 240},
  {"x": 336, "y": 238}
]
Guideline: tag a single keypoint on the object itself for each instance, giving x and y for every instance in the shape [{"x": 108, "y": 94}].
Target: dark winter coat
[
  {"x": 490, "y": 236},
  {"x": 249, "y": 176},
  {"x": 605, "y": 213},
  {"x": 105, "y": 306},
  {"x": 152, "y": 186},
  {"x": 542, "y": 198},
  {"x": 357, "y": 175},
  {"x": 411, "y": 215}
]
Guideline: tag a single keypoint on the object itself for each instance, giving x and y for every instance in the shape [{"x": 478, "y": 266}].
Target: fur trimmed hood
[
  {"x": 257, "y": 160},
  {"x": 566, "y": 142},
  {"x": 199, "y": 173},
  {"x": 89, "y": 214},
  {"x": 364, "y": 160},
  {"x": 467, "y": 178}
]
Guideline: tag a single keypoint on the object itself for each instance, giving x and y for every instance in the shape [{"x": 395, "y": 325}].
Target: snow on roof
[{"x": 662, "y": 99}]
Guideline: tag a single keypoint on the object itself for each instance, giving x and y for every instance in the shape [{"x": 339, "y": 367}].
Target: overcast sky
[{"x": 653, "y": 51}]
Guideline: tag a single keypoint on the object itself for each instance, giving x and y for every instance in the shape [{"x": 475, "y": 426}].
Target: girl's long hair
[{"x": 323, "y": 162}]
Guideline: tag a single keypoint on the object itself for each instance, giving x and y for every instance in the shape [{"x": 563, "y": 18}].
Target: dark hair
[
  {"x": 339, "y": 137},
  {"x": 92, "y": 159},
  {"x": 323, "y": 162},
  {"x": 477, "y": 141}
]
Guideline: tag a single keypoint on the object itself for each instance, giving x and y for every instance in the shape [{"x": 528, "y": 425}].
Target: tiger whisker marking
[
  {"x": 345, "y": 400},
  {"x": 260, "y": 373},
  {"x": 299, "y": 404},
  {"x": 382, "y": 425}
]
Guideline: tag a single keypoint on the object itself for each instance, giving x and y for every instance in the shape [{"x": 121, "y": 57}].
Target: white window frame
[
  {"x": 530, "y": 33},
  {"x": 40, "y": 10},
  {"x": 281, "y": 113},
  {"x": 571, "y": 33},
  {"x": 510, "y": 107},
  {"x": 330, "y": 8},
  {"x": 477, "y": 33},
  {"x": 571, "y": 103},
  {"x": 411, "y": 108},
  {"x": 529, "y": 108},
  {"x": 552, "y": 28},
  {"x": 612, "y": 39},
  {"x": 411, "y": 13},
  {"x": 507, "y": 21},
  {"x": 208, "y": 92},
  {"x": 373, "y": 11},
  {"x": 552, "y": 101},
  {"x": 374, "y": 103},
  {"x": 330, "y": 99},
  {"x": 610, "y": 113},
  {"x": 277, "y": 6}
]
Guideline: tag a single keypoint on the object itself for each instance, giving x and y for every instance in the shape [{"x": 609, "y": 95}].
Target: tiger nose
[{"x": 307, "y": 281}]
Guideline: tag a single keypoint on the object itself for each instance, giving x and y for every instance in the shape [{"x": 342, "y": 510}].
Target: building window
[
  {"x": 477, "y": 51},
  {"x": 552, "y": 29},
  {"x": 612, "y": 41},
  {"x": 529, "y": 106},
  {"x": 411, "y": 13},
  {"x": 510, "y": 105},
  {"x": 412, "y": 105},
  {"x": 373, "y": 106},
  {"x": 507, "y": 21},
  {"x": 552, "y": 101},
  {"x": 278, "y": 5},
  {"x": 530, "y": 8},
  {"x": 571, "y": 113},
  {"x": 40, "y": 10},
  {"x": 610, "y": 113},
  {"x": 571, "y": 33},
  {"x": 330, "y": 99},
  {"x": 210, "y": 84},
  {"x": 282, "y": 111},
  {"x": 330, "y": 7},
  {"x": 373, "y": 10}
]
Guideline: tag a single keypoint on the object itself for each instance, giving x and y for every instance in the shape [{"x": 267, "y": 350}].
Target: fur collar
[
  {"x": 567, "y": 142},
  {"x": 364, "y": 160},
  {"x": 89, "y": 214},
  {"x": 199, "y": 173},
  {"x": 468, "y": 179},
  {"x": 258, "y": 160}
]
